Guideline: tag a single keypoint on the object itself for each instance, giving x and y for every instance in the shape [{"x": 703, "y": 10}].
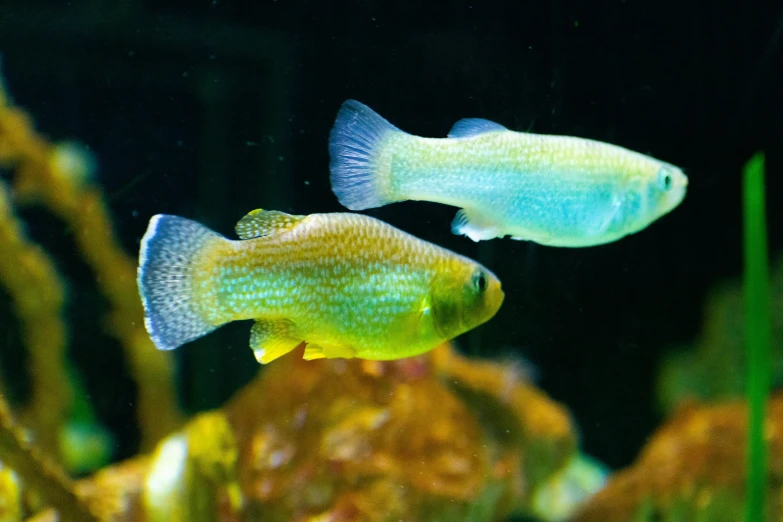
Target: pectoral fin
[
  {"x": 271, "y": 339},
  {"x": 472, "y": 224}
]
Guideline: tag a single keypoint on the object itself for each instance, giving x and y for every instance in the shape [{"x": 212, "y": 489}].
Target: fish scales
[
  {"x": 347, "y": 284},
  {"x": 293, "y": 272}
]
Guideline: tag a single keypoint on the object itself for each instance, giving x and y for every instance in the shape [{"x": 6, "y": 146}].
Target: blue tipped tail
[
  {"x": 360, "y": 178},
  {"x": 166, "y": 261}
]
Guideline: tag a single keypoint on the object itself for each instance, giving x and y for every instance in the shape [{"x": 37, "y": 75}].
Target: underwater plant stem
[
  {"x": 38, "y": 472},
  {"x": 36, "y": 288},
  {"x": 757, "y": 322},
  {"x": 58, "y": 177}
]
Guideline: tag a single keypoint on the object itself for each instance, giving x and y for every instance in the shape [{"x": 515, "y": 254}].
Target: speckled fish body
[
  {"x": 348, "y": 285},
  {"x": 554, "y": 190}
]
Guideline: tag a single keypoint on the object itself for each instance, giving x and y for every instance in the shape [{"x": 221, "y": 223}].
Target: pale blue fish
[{"x": 554, "y": 190}]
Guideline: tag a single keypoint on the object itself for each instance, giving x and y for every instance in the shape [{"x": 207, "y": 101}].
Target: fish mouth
[
  {"x": 682, "y": 190},
  {"x": 500, "y": 301},
  {"x": 682, "y": 180},
  {"x": 498, "y": 296},
  {"x": 678, "y": 191}
]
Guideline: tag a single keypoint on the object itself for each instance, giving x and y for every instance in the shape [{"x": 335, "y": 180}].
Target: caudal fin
[
  {"x": 360, "y": 176},
  {"x": 165, "y": 276}
]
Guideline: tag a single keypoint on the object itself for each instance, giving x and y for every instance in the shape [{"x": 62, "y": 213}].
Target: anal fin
[
  {"x": 328, "y": 351},
  {"x": 271, "y": 339},
  {"x": 472, "y": 224}
]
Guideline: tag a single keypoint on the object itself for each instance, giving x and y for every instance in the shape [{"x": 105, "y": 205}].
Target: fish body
[
  {"x": 348, "y": 285},
  {"x": 553, "y": 190}
]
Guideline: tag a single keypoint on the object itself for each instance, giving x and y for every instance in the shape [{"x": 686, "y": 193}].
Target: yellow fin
[
  {"x": 312, "y": 352},
  {"x": 328, "y": 351},
  {"x": 272, "y": 339},
  {"x": 261, "y": 222}
]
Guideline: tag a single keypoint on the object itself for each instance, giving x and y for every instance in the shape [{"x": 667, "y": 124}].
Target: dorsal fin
[
  {"x": 469, "y": 127},
  {"x": 261, "y": 222}
]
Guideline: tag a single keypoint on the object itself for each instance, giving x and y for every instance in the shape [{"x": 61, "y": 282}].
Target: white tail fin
[
  {"x": 165, "y": 274},
  {"x": 359, "y": 179}
]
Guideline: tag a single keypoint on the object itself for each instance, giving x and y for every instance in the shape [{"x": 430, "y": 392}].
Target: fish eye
[
  {"x": 665, "y": 179},
  {"x": 480, "y": 281}
]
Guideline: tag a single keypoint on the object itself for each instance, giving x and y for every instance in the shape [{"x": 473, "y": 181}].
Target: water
[{"x": 209, "y": 111}]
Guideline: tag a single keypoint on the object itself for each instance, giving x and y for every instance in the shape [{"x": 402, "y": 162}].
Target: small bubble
[
  {"x": 251, "y": 144},
  {"x": 185, "y": 74},
  {"x": 135, "y": 213},
  {"x": 281, "y": 158},
  {"x": 306, "y": 182}
]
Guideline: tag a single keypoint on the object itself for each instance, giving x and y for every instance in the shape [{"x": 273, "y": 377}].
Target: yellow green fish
[
  {"x": 553, "y": 190},
  {"x": 348, "y": 285}
]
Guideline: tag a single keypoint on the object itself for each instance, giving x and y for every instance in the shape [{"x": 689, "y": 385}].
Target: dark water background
[{"x": 209, "y": 109}]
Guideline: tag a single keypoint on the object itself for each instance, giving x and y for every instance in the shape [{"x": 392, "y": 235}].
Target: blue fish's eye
[
  {"x": 665, "y": 179},
  {"x": 480, "y": 281}
]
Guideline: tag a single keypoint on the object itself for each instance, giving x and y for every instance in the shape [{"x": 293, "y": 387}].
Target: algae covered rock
[
  {"x": 436, "y": 437},
  {"x": 693, "y": 468}
]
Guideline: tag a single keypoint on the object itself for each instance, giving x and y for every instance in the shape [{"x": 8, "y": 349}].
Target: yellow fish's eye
[
  {"x": 479, "y": 281},
  {"x": 664, "y": 179}
]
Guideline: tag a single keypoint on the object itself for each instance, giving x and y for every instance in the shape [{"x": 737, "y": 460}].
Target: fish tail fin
[
  {"x": 167, "y": 257},
  {"x": 360, "y": 171}
]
